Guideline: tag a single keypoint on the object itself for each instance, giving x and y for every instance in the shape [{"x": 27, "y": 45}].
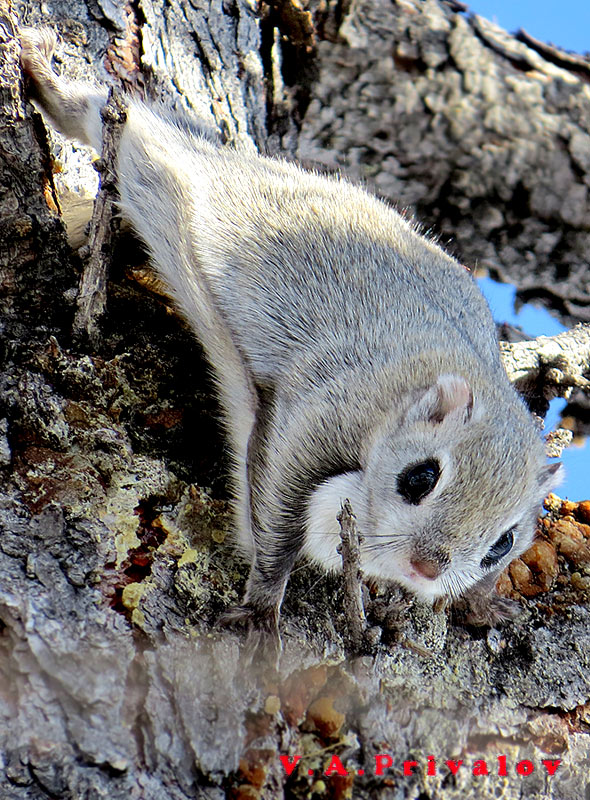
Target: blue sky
[{"x": 565, "y": 23}]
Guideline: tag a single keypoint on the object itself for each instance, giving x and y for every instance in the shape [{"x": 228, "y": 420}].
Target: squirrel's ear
[
  {"x": 449, "y": 397},
  {"x": 551, "y": 476}
]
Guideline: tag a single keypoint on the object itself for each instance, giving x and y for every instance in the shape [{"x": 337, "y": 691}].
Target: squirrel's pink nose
[{"x": 428, "y": 569}]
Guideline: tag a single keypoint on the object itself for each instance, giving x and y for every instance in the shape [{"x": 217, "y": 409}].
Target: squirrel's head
[{"x": 448, "y": 496}]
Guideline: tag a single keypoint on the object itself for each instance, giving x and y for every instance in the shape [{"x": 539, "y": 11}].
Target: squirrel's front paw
[
  {"x": 263, "y": 641},
  {"x": 482, "y": 610},
  {"x": 250, "y": 618}
]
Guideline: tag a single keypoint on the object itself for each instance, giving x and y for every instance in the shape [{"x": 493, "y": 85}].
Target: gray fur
[{"x": 346, "y": 347}]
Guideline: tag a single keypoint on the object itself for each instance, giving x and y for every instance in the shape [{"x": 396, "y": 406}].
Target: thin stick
[
  {"x": 350, "y": 552},
  {"x": 91, "y": 302}
]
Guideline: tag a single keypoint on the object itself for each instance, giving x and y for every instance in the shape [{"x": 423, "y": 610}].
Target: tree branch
[{"x": 549, "y": 366}]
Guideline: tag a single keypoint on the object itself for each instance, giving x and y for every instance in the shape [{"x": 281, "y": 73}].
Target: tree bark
[{"x": 114, "y": 555}]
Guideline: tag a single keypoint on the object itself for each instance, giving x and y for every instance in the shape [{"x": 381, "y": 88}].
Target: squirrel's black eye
[
  {"x": 498, "y": 550},
  {"x": 418, "y": 480}
]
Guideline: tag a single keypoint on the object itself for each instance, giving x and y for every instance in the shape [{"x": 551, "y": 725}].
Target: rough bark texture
[
  {"x": 114, "y": 561},
  {"x": 480, "y": 135}
]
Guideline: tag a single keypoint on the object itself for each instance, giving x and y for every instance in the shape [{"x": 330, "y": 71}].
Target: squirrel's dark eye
[
  {"x": 418, "y": 480},
  {"x": 497, "y": 551}
]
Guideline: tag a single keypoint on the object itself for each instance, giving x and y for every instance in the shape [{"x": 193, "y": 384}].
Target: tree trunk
[{"x": 114, "y": 556}]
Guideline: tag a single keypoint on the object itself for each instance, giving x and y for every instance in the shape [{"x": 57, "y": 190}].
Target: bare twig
[
  {"x": 351, "y": 567},
  {"x": 92, "y": 289}
]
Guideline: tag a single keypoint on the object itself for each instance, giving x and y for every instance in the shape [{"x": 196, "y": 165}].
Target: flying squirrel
[{"x": 353, "y": 357}]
